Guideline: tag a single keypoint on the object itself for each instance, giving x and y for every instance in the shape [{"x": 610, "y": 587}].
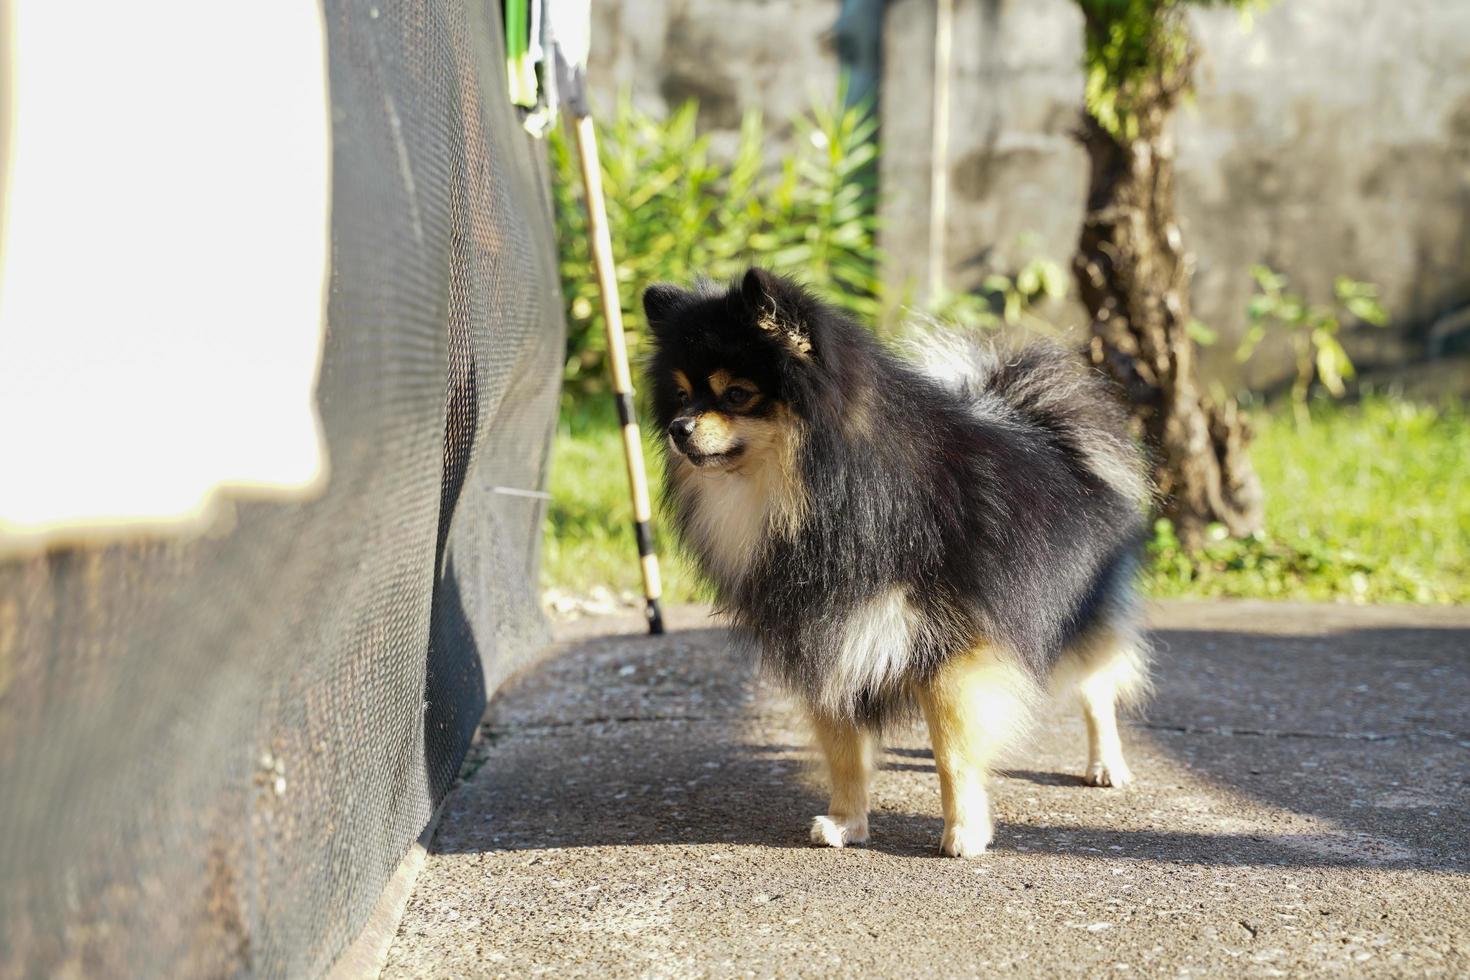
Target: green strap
[{"x": 521, "y": 72}]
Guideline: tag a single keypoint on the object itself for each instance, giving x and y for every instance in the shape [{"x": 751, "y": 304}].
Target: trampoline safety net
[{"x": 215, "y": 751}]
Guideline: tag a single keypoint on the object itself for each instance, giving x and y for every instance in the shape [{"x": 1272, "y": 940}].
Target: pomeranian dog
[{"x": 954, "y": 533}]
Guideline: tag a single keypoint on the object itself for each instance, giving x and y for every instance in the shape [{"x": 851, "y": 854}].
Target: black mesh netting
[{"x": 214, "y": 752}]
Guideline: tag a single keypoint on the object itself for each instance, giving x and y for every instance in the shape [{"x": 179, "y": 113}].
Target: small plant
[
  {"x": 1037, "y": 281},
  {"x": 676, "y": 211},
  {"x": 1004, "y": 300},
  {"x": 1311, "y": 329}
]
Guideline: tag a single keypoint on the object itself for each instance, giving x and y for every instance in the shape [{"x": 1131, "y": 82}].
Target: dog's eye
[
  {"x": 737, "y": 396},
  {"x": 683, "y": 396}
]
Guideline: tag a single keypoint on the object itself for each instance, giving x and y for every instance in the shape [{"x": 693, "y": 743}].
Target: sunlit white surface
[{"x": 163, "y": 253}]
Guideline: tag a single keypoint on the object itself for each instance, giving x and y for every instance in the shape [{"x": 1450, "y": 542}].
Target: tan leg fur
[
  {"x": 849, "y": 754},
  {"x": 974, "y": 705},
  {"x": 1104, "y": 672}
]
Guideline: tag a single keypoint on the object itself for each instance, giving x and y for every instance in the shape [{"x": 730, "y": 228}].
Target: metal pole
[
  {"x": 939, "y": 146},
  {"x": 617, "y": 359}
]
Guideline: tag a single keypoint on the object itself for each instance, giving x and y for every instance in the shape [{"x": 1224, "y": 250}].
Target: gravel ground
[{"x": 638, "y": 806}]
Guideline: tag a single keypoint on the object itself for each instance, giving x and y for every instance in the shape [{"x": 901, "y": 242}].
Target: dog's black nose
[{"x": 681, "y": 429}]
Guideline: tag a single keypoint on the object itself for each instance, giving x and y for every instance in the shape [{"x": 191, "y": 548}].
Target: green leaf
[
  {"x": 1054, "y": 281},
  {"x": 1028, "y": 281},
  {"x": 1201, "y": 334},
  {"x": 1267, "y": 279},
  {"x": 1329, "y": 367},
  {"x": 1249, "y": 342}
]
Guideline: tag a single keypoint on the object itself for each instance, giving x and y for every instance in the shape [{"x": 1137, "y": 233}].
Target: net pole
[{"x": 617, "y": 359}]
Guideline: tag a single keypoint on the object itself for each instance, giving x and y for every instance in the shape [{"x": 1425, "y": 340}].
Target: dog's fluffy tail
[
  {"x": 957, "y": 359},
  {"x": 1042, "y": 384}
]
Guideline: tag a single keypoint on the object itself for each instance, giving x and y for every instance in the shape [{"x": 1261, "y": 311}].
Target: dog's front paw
[
  {"x": 830, "y": 831},
  {"x": 1114, "y": 773},
  {"x": 965, "y": 841}
]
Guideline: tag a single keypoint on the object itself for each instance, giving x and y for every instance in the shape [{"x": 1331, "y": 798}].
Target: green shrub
[
  {"x": 1365, "y": 503},
  {"x": 675, "y": 211},
  {"x": 1311, "y": 329}
]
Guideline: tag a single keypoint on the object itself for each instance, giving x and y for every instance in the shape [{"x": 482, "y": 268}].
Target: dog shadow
[
  {"x": 761, "y": 796},
  {"x": 677, "y": 779}
]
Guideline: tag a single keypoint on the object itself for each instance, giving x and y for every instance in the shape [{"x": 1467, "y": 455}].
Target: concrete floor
[{"x": 639, "y": 807}]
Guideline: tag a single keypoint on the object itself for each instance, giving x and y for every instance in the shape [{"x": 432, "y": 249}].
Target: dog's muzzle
[{"x": 681, "y": 430}]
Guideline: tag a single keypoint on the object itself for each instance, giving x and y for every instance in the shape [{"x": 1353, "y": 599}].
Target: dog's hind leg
[
  {"x": 1105, "y": 672},
  {"x": 1105, "y": 763},
  {"x": 973, "y": 705},
  {"x": 849, "y": 753}
]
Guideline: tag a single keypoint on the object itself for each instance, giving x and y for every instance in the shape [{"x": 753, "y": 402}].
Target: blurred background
[{"x": 1317, "y": 155}]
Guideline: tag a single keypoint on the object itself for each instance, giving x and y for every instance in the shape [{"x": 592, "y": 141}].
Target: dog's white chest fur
[
  {"x": 874, "y": 650},
  {"x": 729, "y": 512}
]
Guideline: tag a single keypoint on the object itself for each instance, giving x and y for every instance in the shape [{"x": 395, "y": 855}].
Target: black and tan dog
[{"x": 955, "y": 532}]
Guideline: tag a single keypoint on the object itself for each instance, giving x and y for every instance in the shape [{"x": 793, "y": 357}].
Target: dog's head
[{"x": 726, "y": 365}]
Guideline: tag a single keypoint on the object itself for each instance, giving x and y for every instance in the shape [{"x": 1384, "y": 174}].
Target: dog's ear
[
  {"x": 660, "y": 302},
  {"x": 775, "y": 306}
]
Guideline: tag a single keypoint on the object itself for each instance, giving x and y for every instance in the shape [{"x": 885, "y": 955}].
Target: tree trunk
[{"x": 1134, "y": 278}]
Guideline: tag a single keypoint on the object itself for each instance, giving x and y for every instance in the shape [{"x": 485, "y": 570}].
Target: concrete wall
[
  {"x": 1331, "y": 137},
  {"x": 730, "y": 55}
]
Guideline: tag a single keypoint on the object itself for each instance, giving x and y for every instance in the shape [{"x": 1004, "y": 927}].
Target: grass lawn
[
  {"x": 1370, "y": 503},
  {"x": 588, "y": 538}
]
